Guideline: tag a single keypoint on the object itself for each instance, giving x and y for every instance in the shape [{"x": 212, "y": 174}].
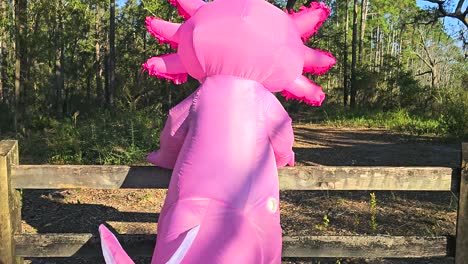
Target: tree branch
[
  {"x": 423, "y": 73},
  {"x": 423, "y": 60},
  {"x": 431, "y": 62},
  {"x": 442, "y": 12},
  {"x": 459, "y": 7}
]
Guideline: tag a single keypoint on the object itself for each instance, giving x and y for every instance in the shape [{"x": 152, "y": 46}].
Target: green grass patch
[{"x": 398, "y": 120}]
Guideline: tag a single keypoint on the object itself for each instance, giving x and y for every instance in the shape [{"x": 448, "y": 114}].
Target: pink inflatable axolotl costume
[{"x": 226, "y": 141}]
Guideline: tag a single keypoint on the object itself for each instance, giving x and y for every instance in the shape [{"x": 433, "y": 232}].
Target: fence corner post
[
  {"x": 461, "y": 250},
  {"x": 10, "y": 204}
]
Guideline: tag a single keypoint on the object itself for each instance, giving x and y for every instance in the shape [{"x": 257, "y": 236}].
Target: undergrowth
[
  {"x": 103, "y": 138},
  {"x": 126, "y": 137},
  {"x": 401, "y": 120}
]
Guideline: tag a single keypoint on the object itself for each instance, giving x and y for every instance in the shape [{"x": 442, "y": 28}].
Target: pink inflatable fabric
[{"x": 226, "y": 141}]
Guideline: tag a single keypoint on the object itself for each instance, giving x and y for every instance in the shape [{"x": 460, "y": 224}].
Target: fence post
[
  {"x": 10, "y": 204},
  {"x": 461, "y": 250}
]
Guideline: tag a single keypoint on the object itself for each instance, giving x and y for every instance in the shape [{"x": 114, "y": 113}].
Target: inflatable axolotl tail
[
  {"x": 114, "y": 253},
  {"x": 111, "y": 248}
]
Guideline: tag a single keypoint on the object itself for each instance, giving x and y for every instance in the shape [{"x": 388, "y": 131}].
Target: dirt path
[
  {"x": 398, "y": 213},
  {"x": 321, "y": 145}
]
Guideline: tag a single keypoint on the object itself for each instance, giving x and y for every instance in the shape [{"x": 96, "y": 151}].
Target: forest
[{"x": 72, "y": 90}]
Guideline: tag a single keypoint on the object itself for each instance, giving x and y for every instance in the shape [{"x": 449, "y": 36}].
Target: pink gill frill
[
  {"x": 319, "y": 70},
  {"x": 181, "y": 11},
  {"x": 290, "y": 96},
  {"x": 177, "y": 78},
  {"x": 323, "y": 16},
  {"x": 155, "y": 34}
]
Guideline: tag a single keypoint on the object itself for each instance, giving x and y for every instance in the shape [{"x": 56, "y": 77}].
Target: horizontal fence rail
[
  {"x": 14, "y": 245},
  {"x": 87, "y": 245},
  {"x": 291, "y": 178}
]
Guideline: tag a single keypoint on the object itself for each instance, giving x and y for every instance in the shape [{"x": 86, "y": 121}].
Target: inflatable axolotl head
[{"x": 250, "y": 39}]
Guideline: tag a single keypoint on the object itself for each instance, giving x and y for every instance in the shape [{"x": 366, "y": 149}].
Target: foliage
[
  {"x": 398, "y": 120},
  {"x": 324, "y": 225},
  {"x": 411, "y": 77},
  {"x": 454, "y": 118},
  {"x": 104, "y": 138}
]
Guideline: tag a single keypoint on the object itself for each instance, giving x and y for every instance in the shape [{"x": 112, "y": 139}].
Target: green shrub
[
  {"x": 454, "y": 118},
  {"x": 400, "y": 120},
  {"x": 103, "y": 138}
]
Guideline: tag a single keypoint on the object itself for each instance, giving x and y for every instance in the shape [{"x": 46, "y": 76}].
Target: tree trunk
[
  {"x": 434, "y": 77},
  {"x": 377, "y": 49},
  {"x": 106, "y": 76},
  {"x": 345, "y": 59},
  {"x": 382, "y": 49},
  {"x": 363, "y": 27},
  {"x": 106, "y": 70},
  {"x": 142, "y": 81},
  {"x": 371, "y": 48},
  {"x": 20, "y": 20},
  {"x": 354, "y": 57},
  {"x": 23, "y": 50},
  {"x": 389, "y": 40},
  {"x": 3, "y": 55},
  {"x": 400, "y": 42},
  {"x": 290, "y": 5},
  {"x": 59, "y": 59},
  {"x": 110, "y": 94},
  {"x": 97, "y": 62},
  {"x": 88, "y": 87}
]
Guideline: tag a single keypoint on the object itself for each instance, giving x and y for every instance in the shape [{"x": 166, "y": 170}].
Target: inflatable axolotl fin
[
  {"x": 173, "y": 135},
  {"x": 184, "y": 247},
  {"x": 111, "y": 248},
  {"x": 167, "y": 66},
  {"x": 280, "y": 133},
  {"x": 309, "y": 20},
  {"x": 318, "y": 61},
  {"x": 115, "y": 254},
  {"x": 187, "y": 8},
  {"x": 304, "y": 90},
  {"x": 164, "y": 31}
]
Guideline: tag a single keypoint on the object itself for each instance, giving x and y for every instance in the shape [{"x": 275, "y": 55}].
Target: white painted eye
[{"x": 272, "y": 205}]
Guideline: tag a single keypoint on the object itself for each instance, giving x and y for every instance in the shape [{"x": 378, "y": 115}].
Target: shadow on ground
[
  {"x": 47, "y": 212},
  {"x": 398, "y": 213},
  {"x": 371, "y": 147}
]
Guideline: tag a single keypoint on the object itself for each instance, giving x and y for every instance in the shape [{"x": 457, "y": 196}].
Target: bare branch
[
  {"x": 423, "y": 73},
  {"x": 459, "y": 7},
  {"x": 443, "y": 12},
  {"x": 424, "y": 60},
  {"x": 430, "y": 63}
]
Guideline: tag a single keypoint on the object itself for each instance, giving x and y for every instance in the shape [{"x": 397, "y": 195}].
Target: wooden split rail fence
[{"x": 14, "y": 245}]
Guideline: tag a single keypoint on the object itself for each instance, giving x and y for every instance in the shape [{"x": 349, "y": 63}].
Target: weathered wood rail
[{"x": 14, "y": 245}]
